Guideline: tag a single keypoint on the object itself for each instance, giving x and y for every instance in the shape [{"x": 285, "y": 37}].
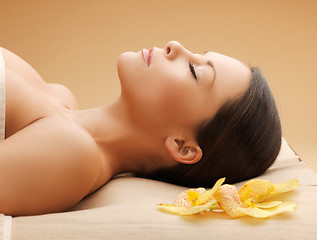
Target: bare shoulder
[
  {"x": 56, "y": 93},
  {"x": 58, "y": 134},
  {"x": 47, "y": 167},
  {"x": 19, "y": 65},
  {"x": 64, "y": 132}
]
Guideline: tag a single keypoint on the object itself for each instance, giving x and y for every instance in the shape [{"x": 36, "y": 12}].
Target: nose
[{"x": 174, "y": 49}]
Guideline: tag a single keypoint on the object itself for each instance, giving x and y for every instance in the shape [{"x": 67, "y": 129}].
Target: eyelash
[{"x": 192, "y": 69}]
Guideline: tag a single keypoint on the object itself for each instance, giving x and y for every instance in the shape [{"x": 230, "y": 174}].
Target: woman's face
[{"x": 174, "y": 87}]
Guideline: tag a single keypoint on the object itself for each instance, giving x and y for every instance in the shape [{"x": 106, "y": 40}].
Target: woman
[{"x": 181, "y": 117}]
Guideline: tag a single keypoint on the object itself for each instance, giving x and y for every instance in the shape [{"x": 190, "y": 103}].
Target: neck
[{"x": 124, "y": 146}]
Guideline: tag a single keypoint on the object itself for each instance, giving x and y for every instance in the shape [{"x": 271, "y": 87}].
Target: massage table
[{"x": 126, "y": 208}]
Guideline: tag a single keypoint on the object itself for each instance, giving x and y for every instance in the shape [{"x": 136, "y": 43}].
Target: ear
[{"x": 183, "y": 151}]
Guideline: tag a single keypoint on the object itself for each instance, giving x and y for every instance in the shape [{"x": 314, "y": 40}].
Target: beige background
[{"x": 76, "y": 43}]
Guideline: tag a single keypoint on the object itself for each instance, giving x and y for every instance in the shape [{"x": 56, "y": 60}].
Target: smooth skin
[{"x": 55, "y": 154}]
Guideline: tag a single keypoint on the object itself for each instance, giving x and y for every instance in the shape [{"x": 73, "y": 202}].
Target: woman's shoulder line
[
  {"x": 56, "y": 133},
  {"x": 63, "y": 127}
]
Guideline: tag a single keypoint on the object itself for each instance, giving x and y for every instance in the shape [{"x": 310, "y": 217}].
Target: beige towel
[{"x": 5, "y": 227}]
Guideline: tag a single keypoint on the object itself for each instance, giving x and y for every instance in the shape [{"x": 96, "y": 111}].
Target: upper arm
[{"x": 46, "y": 167}]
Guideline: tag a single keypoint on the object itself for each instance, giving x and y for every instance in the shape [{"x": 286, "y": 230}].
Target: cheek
[
  {"x": 188, "y": 104},
  {"x": 177, "y": 100}
]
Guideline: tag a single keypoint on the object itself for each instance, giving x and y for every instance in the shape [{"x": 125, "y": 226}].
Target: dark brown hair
[{"x": 240, "y": 142}]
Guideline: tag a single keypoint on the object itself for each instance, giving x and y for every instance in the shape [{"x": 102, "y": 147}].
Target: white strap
[
  {"x": 7, "y": 223},
  {"x": 2, "y": 97},
  {"x": 5, "y": 227}
]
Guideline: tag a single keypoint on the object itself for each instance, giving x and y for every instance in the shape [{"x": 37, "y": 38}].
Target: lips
[{"x": 147, "y": 55}]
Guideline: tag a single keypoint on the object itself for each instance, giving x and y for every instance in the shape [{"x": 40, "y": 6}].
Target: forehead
[
  {"x": 232, "y": 76},
  {"x": 224, "y": 59}
]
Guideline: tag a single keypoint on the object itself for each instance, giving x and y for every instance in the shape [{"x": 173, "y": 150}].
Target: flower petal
[
  {"x": 214, "y": 206},
  {"x": 261, "y": 213},
  {"x": 228, "y": 199},
  {"x": 196, "y": 209},
  {"x": 268, "y": 204},
  {"x": 257, "y": 190},
  {"x": 182, "y": 199},
  {"x": 285, "y": 186},
  {"x": 208, "y": 195},
  {"x": 170, "y": 208}
]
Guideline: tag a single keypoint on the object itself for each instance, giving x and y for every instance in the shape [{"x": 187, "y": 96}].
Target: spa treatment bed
[{"x": 126, "y": 208}]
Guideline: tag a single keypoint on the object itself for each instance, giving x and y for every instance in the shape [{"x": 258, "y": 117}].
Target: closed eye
[{"x": 192, "y": 69}]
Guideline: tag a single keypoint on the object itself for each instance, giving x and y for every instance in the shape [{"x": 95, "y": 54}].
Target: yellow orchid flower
[
  {"x": 250, "y": 200},
  {"x": 193, "y": 201},
  {"x": 186, "y": 198},
  {"x": 259, "y": 190}
]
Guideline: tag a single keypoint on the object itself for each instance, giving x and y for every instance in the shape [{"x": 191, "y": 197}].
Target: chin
[
  {"x": 126, "y": 65},
  {"x": 128, "y": 71}
]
